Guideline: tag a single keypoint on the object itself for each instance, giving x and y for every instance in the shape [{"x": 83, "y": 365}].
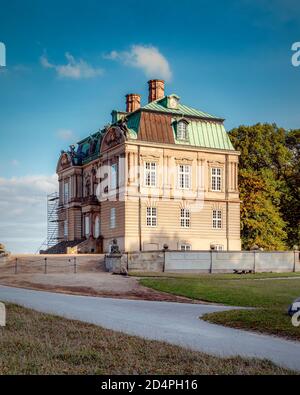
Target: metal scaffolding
[
  {"x": 52, "y": 219},
  {"x": 52, "y": 222}
]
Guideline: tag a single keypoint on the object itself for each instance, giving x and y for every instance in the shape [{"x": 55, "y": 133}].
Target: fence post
[
  {"x": 164, "y": 264},
  {"x": 294, "y": 268},
  {"x": 16, "y": 266},
  {"x": 211, "y": 262},
  {"x": 254, "y": 263},
  {"x": 75, "y": 268},
  {"x": 45, "y": 266}
]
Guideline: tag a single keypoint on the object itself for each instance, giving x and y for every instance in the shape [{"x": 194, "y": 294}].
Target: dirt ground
[
  {"x": 90, "y": 278},
  {"x": 93, "y": 284}
]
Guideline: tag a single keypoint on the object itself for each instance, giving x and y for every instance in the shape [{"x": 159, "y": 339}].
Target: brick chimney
[
  {"x": 133, "y": 102},
  {"x": 156, "y": 90}
]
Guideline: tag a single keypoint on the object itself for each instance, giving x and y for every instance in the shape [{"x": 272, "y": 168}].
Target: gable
[{"x": 114, "y": 136}]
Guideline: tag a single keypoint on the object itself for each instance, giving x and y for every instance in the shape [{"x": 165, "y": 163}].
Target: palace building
[{"x": 162, "y": 175}]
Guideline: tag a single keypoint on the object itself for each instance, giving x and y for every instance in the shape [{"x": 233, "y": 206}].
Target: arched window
[
  {"x": 182, "y": 130},
  {"x": 97, "y": 227},
  {"x": 87, "y": 226}
]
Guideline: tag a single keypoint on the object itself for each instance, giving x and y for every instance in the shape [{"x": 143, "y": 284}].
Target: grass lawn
[
  {"x": 37, "y": 343},
  {"x": 270, "y": 293}
]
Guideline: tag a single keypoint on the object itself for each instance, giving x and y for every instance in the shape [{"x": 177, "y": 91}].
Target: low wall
[
  {"x": 148, "y": 261},
  {"x": 213, "y": 261},
  {"x": 52, "y": 263}
]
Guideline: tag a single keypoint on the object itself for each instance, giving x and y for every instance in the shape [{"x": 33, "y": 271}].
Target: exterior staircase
[{"x": 62, "y": 247}]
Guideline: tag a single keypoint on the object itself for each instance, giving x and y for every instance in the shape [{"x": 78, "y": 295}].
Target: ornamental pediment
[
  {"x": 114, "y": 136},
  {"x": 64, "y": 162}
]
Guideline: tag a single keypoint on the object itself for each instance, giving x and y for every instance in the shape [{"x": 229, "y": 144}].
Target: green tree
[
  {"x": 265, "y": 160},
  {"x": 261, "y": 222},
  {"x": 290, "y": 201}
]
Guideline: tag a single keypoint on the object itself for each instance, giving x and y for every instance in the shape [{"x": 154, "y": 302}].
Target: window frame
[
  {"x": 185, "y": 218},
  {"x": 187, "y": 247},
  {"x": 112, "y": 218},
  {"x": 151, "y": 216},
  {"x": 216, "y": 179},
  {"x": 184, "y": 177},
  {"x": 97, "y": 227},
  {"x": 219, "y": 247},
  {"x": 182, "y": 132},
  {"x": 150, "y": 174},
  {"x": 217, "y": 219},
  {"x": 87, "y": 226},
  {"x": 113, "y": 176},
  {"x": 66, "y": 228},
  {"x": 66, "y": 192}
]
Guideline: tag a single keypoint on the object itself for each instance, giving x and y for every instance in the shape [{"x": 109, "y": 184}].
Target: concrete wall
[
  {"x": 214, "y": 262},
  {"x": 150, "y": 261},
  {"x": 56, "y": 263}
]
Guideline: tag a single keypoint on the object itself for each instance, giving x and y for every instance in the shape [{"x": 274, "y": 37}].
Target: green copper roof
[
  {"x": 206, "y": 134},
  {"x": 204, "y": 130},
  {"x": 183, "y": 110},
  {"x": 207, "y": 131},
  {"x": 133, "y": 124}
]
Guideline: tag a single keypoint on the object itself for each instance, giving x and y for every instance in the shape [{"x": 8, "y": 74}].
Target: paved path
[{"x": 176, "y": 323}]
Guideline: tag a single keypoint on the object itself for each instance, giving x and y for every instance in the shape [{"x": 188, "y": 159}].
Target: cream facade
[{"x": 148, "y": 182}]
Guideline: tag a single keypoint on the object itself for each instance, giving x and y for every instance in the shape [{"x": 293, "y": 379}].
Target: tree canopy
[{"x": 269, "y": 183}]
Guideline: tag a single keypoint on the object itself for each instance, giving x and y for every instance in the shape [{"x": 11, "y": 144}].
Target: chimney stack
[
  {"x": 156, "y": 90},
  {"x": 133, "y": 102}
]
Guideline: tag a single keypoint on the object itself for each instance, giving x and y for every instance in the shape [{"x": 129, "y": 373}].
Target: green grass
[
  {"x": 269, "y": 294},
  {"x": 37, "y": 343},
  {"x": 203, "y": 276}
]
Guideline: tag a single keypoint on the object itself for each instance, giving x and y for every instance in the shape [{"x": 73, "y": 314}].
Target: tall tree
[
  {"x": 290, "y": 203},
  {"x": 261, "y": 222},
  {"x": 264, "y": 161}
]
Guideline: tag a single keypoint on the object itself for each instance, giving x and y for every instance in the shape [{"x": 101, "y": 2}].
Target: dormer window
[
  {"x": 173, "y": 102},
  {"x": 182, "y": 133}
]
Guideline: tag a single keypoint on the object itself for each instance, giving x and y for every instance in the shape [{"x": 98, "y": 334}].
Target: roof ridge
[{"x": 183, "y": 109}]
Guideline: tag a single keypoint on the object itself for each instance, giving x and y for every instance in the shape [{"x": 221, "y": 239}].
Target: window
[
  {"x": 182, "y": 130},
  {"x": 184, "y": 176},
  {"x": 66, "y": 228},
  {"x": 216, "y": 179},
  {"x": 185, "y": 247},
  {"x": 217, "y": 219},
  {"x": 185, "y": 221},
  {"x": 113, "y": 176},
  {"x": 97, "y": 227},
  {"x": 66, "y": 191},
  {"x": 112, "y": 218},
  {"x": 87, "y": 225},
  {"x": 151, "y": 216},
  {"x": 150, "y": 174}
]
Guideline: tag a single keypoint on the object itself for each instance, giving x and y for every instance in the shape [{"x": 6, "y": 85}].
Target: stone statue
[
  {"x": 72, "y": 153},
  {"x": 93, "y": 144},
  {"x": 115, "y": 248},
  {"x": 123, "y": 126}
]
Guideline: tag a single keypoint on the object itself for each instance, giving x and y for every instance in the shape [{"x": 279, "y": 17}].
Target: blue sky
[{"x": 69, "y": 63}]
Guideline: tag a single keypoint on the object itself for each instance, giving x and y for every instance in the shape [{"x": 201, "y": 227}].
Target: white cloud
[
  {"x": 65, "y": 134},
  {"x": 145, "y": 57},
  {"x": 75, "y": 69},
  {"x": 23, "y": 211}
]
